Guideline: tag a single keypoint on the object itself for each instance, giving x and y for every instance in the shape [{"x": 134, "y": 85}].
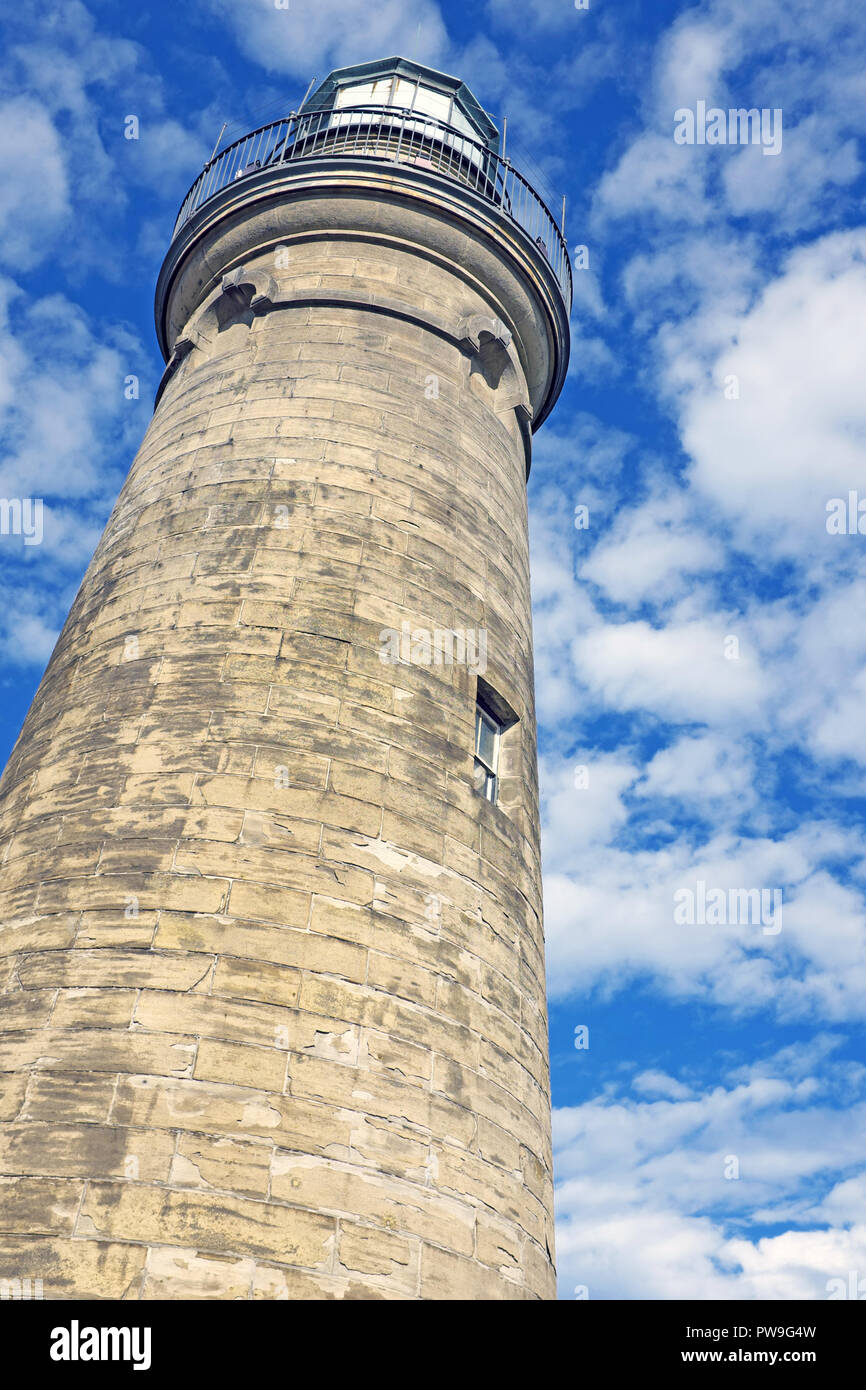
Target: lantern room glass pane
[
  {"x": 365, "y": 93},
  {"x": 436, "y": 104},
  {"x": 404, "y": 92}
]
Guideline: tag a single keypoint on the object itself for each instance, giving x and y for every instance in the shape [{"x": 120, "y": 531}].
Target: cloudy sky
[{"x": 700, "y": 643}]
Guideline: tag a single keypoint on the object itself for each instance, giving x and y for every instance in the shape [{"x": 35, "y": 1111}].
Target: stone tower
[{"x": 273, "y": 1007}]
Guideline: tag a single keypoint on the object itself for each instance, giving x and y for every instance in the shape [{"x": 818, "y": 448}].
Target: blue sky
[{"x": 715, "y": 404}]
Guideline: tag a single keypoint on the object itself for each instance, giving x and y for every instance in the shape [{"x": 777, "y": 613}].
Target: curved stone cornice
[
  {"x": 398, "y": 205},
  {"x": 483, "y": 339}
]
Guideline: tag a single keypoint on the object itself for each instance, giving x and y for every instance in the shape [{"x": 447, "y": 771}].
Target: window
[
  {"x": 494, "y": 716},
  {"x": 488, "y": 732}
]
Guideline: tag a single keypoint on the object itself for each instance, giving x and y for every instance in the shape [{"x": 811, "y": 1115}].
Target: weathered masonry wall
[{"x": 273, "y": 1012}]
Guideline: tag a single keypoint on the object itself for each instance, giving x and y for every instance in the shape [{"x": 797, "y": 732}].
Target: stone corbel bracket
[
  {"x": 240, "y": 290},
  {"x": 470, "y": 332},
  {"x": 255, "y": 288},
  {"x": 489, "y": 343}
]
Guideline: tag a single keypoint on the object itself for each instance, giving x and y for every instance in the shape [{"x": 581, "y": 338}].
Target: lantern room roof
[{"x": 326, "y": 94}]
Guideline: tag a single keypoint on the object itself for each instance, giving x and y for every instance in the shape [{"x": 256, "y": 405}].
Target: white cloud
[
  {"x": 841, "y": 729},
  {"x": 708, "y": 770},
  {"x": 29, "y": 222},
  {"x": 656, "y": 176},
  {"x": 549, "y": 16},
  {"x": 26, "y": 639},
  {"x": 679, "y": 671},
  {"x": 313, "y": 36},
  {"x": 68, "y": 435},
  {"x": 814, "y": 161},
  {"x": 731, "y": 55},
  {"x": 584, "y": 802},
  {"x": 648, "y": 1205},
  {"x": 77, "y": 88},
  {"x": 659, "y": 1084},
  {"x": 609, "y": 899},
  {"x": 794, "y": 437},
  {"x": 653, "y": 551},
  {"x": 66, "y": 423},
  {"x": 165, "y": 152}
]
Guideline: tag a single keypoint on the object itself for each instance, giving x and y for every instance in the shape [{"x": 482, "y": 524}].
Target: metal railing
[{"x": 388, "y": 134}]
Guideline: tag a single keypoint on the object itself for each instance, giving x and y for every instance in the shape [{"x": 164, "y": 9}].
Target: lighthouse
[{"x": 273, "y": 1005}]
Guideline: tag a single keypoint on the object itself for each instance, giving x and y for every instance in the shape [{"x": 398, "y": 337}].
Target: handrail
[{"x": 389, "y": 134}]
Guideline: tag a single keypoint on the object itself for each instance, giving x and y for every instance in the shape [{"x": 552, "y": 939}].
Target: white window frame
[{"x": 489, "y": 787}]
